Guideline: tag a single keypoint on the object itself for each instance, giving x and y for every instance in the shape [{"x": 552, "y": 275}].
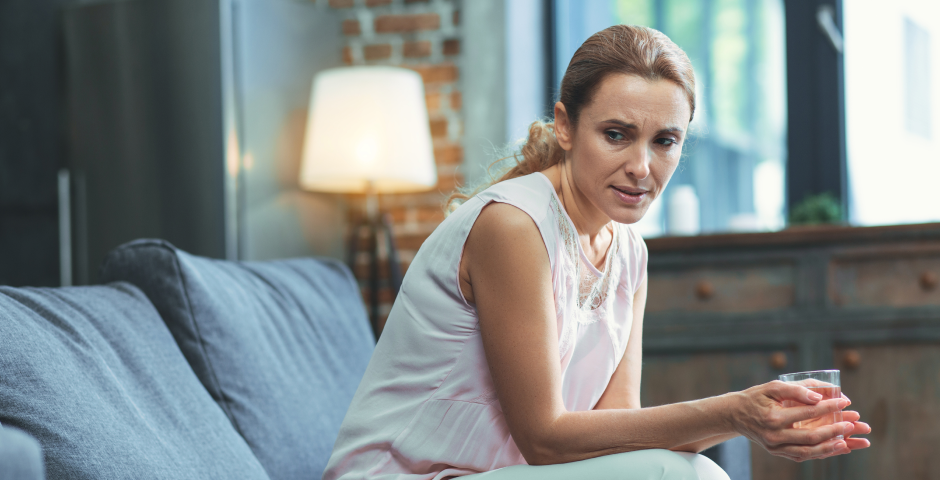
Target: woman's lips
[{"x": 630, "y": 196}]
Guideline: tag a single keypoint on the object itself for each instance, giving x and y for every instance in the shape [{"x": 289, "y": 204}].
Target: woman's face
[{"x": 626, "y": 144}]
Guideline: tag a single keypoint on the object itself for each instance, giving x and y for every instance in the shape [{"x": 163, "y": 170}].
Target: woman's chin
[{"x": 630, "y": 214}]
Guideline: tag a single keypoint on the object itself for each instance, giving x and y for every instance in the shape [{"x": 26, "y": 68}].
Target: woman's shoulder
[
  {"x": 532, "y": 193},
  {"x": 503, "y": 223},
  {"x": 509, "y": 209}
]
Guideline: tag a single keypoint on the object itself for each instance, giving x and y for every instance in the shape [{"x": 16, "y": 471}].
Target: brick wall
[{"x": 423, "y": 35}]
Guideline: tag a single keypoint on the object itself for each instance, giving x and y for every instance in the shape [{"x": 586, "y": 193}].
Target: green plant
[{"x": 817, "y": 209}]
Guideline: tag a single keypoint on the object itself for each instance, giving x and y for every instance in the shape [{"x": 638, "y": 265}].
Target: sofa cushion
[
  {"x": 95, "y": 376},
  {"x": 281, "y": 345}
]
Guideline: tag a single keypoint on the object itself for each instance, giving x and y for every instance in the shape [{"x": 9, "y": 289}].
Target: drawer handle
[
  {"x": 928, "y": 281},
  {"x": 778, "y": 360},
  {"x": 704, "y": 290},
  {"x": 851, "y": 359}
]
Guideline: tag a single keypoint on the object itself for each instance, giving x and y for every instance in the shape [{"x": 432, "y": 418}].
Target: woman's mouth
[{"x": 630, "y": 195}]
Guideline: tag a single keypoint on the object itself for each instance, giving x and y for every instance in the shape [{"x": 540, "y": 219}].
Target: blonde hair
[{"x": 629, "y": 49}]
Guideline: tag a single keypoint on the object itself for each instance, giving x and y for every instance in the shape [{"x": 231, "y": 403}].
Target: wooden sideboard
[{"x": 726, "y": 312}]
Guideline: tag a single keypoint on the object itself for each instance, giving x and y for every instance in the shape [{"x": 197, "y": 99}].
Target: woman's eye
[
  {"x": 665, "y": 141},
  {"x": 614, "y": 135}
]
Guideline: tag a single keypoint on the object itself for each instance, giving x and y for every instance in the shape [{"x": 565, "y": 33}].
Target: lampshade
[{"x": 368, "y": 124}]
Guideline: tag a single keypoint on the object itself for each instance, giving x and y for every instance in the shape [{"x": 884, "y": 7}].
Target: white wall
[
  {"x": 503, "y": 77},
  {"x": 483, "y": 83}
]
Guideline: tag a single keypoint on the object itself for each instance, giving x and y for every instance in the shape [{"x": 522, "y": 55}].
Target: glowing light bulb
[{"x": 367, "y": 150}]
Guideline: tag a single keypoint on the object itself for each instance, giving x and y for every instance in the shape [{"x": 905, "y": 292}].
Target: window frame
[
  {"x": 816, "y": 138},
  {"x": 816, "y": 135}
]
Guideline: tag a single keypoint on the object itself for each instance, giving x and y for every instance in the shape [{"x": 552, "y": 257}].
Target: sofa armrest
[{"x": 20, "y": 456}]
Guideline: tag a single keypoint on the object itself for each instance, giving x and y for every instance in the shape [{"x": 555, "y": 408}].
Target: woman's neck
[{"x": 593, "y": 226}]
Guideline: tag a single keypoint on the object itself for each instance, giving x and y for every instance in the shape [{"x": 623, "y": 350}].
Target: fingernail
[{"x": 815, "y": 396}]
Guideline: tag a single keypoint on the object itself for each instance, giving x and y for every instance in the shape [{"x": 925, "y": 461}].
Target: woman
[{"x": 516, "y": 338}]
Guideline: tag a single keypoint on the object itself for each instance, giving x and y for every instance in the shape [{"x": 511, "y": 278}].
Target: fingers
[
  {"x": 800, "y": 444},
  {"x": 810, "y": 436},
  {"x": 861, "y": 428},
  {"x": 857, "y": 443},
  {"x": 797, "y": 414},
  {"x": 801, "y": 453},
  {"x": 790, "y": 391}
]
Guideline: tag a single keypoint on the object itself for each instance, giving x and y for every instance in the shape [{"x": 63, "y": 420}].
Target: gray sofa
[{"x": 180, "y": 367}]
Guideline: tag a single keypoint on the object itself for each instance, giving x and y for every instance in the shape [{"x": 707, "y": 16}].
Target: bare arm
[
  {"x": 623, "y": 391},
  {"x": 509, "y": 274}
]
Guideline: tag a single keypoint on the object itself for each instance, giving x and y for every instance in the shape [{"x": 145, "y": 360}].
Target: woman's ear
[{"x": 563, "y": 130}]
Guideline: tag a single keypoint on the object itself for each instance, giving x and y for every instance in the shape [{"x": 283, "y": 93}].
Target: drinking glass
[{"x": 823, "y": 382}]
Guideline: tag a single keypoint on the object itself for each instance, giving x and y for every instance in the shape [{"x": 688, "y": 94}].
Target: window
[
  {"x": 916, "y": 79},
  {"x": 734, "y": 160},
  {"x": 892, "y": 98}
]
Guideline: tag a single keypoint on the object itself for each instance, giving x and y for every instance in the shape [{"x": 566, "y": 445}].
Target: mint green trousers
[{"x": 638, "y": 465}]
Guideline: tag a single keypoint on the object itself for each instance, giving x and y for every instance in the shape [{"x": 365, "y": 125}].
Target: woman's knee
[
  {"x": 636, "y": 465},
  {"x": 654, "y": 464},
  {"x": 704, "y": 467},
  {"x": 669, "y": 465}
]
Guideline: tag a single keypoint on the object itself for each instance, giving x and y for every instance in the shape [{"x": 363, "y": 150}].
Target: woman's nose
[{"x": 638, "y": 161}]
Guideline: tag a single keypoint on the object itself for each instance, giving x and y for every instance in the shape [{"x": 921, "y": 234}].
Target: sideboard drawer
[
  {"x": 892, "y": 281},
  {"x": 737, "y": 289}
]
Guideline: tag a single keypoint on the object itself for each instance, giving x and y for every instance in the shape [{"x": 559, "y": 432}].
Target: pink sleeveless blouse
[{"x": 426, "y": 407}]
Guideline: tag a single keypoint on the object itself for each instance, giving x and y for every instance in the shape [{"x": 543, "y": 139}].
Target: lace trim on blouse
[{"x": 592, "y": 291}]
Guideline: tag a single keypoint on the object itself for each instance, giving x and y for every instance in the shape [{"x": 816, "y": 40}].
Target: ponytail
[{"x": 539, "y": 152}]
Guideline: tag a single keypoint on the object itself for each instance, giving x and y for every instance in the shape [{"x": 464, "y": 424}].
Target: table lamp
[{"x": 368, "y": 132}]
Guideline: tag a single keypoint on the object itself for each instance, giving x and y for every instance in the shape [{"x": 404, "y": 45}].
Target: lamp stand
[{"x": 377, "y": 224}]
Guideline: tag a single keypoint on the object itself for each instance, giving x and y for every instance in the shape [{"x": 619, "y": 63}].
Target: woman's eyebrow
[
  {"x": 670, "y": 130},
  {"x": 633, "y": 126},
  {"x": 622, "y": 124}
]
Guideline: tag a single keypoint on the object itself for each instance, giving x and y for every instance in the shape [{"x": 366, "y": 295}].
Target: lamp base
[{"x": 377, "y": 224}]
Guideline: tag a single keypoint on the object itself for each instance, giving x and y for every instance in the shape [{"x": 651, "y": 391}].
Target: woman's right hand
[{"x": 762, "y": 418}]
